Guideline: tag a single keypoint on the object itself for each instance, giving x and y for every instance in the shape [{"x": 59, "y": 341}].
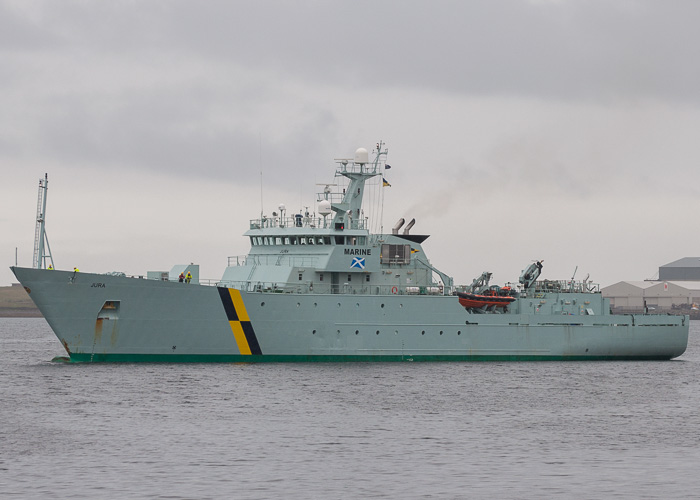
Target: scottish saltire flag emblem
[{"x": 358, "y": 262}]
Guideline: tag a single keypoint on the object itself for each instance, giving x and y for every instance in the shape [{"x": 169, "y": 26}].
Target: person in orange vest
[
  {"x": 181, "y": 278},
  {"x": 188, "y": 278}
]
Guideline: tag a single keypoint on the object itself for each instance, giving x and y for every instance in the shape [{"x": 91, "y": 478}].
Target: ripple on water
[{"x": 414, "y": 430}]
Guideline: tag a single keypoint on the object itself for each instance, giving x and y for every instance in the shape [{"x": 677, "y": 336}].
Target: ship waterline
[{"x": 121, "y": 319}]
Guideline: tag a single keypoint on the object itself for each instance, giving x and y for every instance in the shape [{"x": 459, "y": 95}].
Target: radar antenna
[{"x": 42, "y": 249}]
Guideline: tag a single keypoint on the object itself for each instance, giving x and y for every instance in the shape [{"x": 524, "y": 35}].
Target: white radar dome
[
  {"x": 361, "y": 156},
  {"x": 324, "y": 207}
]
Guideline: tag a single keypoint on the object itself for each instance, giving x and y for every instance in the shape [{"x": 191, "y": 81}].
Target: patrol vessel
[{"x": 322, "y": 286}]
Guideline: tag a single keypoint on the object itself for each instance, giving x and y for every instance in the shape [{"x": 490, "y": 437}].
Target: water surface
[{"x": 381, "y": 430}]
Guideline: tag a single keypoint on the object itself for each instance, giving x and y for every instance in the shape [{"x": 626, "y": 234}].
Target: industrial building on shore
[{"x": 676, "y": 291}]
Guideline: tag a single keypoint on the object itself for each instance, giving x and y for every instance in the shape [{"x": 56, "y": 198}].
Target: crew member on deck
[
  {"x": 181, "y": 278},
  {"x": 50, "y": 268},
  {"x": 76, "y": 270},
  {"x": 188, "y": 278}
]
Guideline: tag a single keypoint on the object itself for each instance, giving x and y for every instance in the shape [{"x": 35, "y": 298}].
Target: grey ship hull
[{"x": 109, "y": 318}]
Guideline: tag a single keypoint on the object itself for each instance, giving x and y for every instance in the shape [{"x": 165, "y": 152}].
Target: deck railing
[
  {"x": 305, "y": 287},
  {"x": 565, "y": 286},
  {"x": 328, "y": 288},
  {"x": 273, "y": 260},
  {"x": 301, "y": 221}
]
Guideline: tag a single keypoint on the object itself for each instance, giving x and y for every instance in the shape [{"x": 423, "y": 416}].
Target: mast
[
  {"x": 42, "y": 249},
  {"x": 358, "y": 171}
]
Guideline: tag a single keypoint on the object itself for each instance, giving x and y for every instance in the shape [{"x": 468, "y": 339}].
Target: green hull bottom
[{"x": 333, "y": 358}]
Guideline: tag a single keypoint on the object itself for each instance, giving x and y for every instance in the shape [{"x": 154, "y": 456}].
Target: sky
[{"x": 517, "y": 130}]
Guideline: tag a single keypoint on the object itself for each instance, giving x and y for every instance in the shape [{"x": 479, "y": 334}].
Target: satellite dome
[
  {"x": 361, "y": 156},
  {"x": 324, "y": 207}
]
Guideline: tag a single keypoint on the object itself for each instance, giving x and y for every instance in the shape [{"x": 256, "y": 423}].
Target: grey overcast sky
[{"x": 517, "y": 130}]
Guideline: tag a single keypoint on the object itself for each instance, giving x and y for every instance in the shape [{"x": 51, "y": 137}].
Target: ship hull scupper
[{"x": 121, "y": 319}]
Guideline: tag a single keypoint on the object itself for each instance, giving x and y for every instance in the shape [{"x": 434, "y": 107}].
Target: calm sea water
[{"x": 406, "y": 430}]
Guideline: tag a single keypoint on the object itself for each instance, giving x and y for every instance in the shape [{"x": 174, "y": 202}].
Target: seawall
[{"x": 15, "y": 303}]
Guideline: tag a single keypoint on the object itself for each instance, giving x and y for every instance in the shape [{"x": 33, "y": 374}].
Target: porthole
[
  {"x": 400, "y": 306},
  {"x": 338, "y": 332},
  {"x": 382, "y": 306},
  {"x": 357, "y": 305},
  {"x": 357, "y": 332},
  {"x": 298, "y": 304},
  {"x": 262, "y": 304},
  {"x": 315, "y": 304},
  {"x": 423, "y": 332},
  {"x": 440, "y": 332},
  {"x": 377, "y": 332},
  {"x": 396, "y": 332},
  {"x": 459, "y": 332},
  {"x": 338, "y": 304},
  {"x": 314, "y": 332}
]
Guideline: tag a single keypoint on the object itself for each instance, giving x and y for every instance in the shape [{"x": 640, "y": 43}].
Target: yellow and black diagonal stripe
[{"x": 240, "y": 322}]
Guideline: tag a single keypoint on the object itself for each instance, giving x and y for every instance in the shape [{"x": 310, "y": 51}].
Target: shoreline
[
  {"x": 16, "y": 303},
  {"x": 20, "y": 313}
]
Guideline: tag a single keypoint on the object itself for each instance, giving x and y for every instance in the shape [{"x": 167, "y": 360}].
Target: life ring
[{"x": 394, "y": 290}]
